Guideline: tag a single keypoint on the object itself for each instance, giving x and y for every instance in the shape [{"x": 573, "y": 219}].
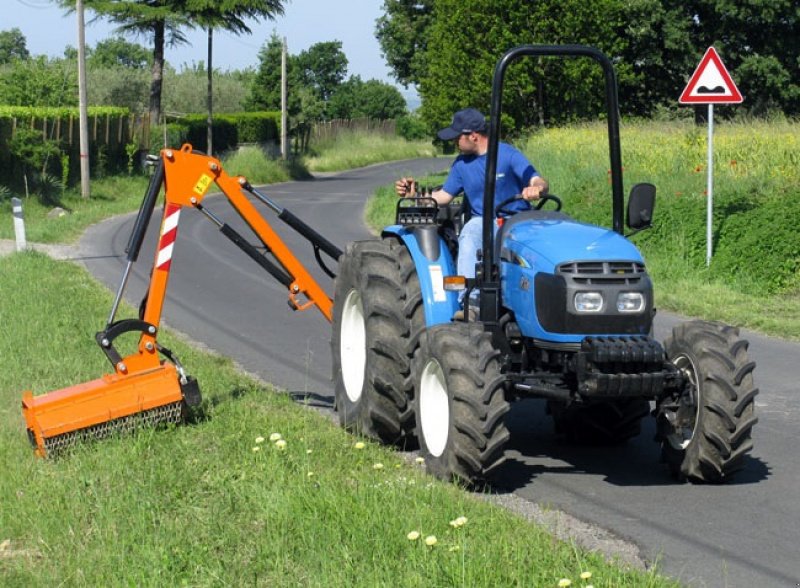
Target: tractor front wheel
[
  {"x": 705, "y": 428},
  {"x": 459, "y": 402}
]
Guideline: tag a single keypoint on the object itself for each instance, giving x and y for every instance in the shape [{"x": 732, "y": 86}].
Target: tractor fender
[{"x": 433, "y": 262}]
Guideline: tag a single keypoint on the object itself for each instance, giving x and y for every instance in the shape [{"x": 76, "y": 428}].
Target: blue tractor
[{"x": 565, "y": 314}]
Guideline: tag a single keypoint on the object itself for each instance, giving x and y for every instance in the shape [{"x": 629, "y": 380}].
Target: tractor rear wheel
[
  {"x": 377, "y": 317},
  {"x": 705, "y": 429},
  {"x": 460, "y": 402},
  {"x": 606, "y": 422}
]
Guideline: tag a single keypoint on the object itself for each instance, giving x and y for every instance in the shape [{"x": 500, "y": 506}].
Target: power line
[{"x": 44, "y": 5}]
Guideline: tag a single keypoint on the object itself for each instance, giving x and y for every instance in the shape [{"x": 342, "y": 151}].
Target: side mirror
[{"x": 641, "y": 203}]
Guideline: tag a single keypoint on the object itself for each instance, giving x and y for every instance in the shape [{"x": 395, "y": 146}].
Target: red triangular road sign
[{"x": 711, "y": 83}]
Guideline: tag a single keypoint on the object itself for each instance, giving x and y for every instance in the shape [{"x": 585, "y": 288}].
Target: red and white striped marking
[{"x": 169, "y": 232}]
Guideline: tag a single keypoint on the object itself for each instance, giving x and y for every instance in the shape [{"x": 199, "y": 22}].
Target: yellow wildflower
[{"x": 459, "y": 522}]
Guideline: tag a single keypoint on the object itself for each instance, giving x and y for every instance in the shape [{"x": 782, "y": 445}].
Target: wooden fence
[{"x": 330, "y": 129}]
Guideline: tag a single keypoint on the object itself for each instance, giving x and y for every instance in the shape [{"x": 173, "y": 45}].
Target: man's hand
[
  {"x": 405, "y": 187},
  {"x": 536, "y": 189}
]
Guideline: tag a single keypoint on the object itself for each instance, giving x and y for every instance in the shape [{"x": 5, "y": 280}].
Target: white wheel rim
[
  {"x": 353, "y": 346},
  {"x": 434, "y": 408},
  {"x": 683, "y": 436}
]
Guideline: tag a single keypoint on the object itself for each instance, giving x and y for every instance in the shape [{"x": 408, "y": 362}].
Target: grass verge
[
  {"x": 220, "y": 502},
  {"x": 357, "y": 149}
]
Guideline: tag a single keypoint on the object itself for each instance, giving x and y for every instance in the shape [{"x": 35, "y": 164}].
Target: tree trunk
[{"x": 157, "y": 79}]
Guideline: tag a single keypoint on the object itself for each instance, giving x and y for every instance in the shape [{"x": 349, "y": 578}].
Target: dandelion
[
  {"x": 459, "y": 522},
  {"x": 359, "y": 445},
  {"x": 377, "y": 466},
  {"x": 256, "y": 448},
  {"x": 420, "y": 460},
  {"x": 275, "y": 437},
  {"x": 431, "y": 540},
  {"x": 586, "y": 575},
  {"x": 310, "y": 474},
  {"x": 280, "y": 444},
  {"x": 259, "y": 439},
  {"x": 309, "y": 451},
  {"x": 564, "y": 582},
  {"x": 413, "y": 536}
]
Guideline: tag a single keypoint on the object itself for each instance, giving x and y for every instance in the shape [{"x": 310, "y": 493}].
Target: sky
[{"x": 305, "y": 22}]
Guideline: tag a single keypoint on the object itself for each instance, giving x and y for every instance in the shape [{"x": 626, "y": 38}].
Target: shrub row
[
  {"x": 37, "y": 143},
  {"x": 229, "y": 130}
]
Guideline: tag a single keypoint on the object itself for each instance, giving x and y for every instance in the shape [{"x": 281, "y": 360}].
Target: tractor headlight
[
  {"x": 630, "y": 302},
  {"x": 588, "y": 302}
]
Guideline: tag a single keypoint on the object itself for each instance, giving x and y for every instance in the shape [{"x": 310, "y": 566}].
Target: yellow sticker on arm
[{"x": 202, "y": 184}]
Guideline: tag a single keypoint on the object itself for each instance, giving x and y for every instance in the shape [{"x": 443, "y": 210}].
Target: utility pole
[
  {"x": 210, "y": 94},
  {"x": 284, "y": 107},
  {"x": 83, "y": 118}
]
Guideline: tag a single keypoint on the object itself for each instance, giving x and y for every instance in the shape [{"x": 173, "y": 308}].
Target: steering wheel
[{"x": 543, "y": 199}]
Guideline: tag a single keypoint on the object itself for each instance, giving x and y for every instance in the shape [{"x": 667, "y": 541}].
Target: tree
[
  {"x": 13, "y": 45},
  {"x": 467, "y": 38},
  {"x": 371, "y": 99},
  {"x": 403, "y": 33},
  {"x": 759, "y": 41},
  {"x": 119, "y": 53},
  {"x": 265, "y": 89},
  {"x": 39, "y": 81},
  {"x": 322, "y": 67},
  {"x": 230, "y": 15},
  {"x": 160, "y": 21}
]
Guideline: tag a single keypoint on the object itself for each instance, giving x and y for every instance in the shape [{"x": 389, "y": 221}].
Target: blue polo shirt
[{"x": 468, "y": 175}]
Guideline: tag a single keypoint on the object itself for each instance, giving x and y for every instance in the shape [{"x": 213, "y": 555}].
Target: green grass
[
  {"x": 357, "y": 149},
  {"x": 207, "y": 504}
]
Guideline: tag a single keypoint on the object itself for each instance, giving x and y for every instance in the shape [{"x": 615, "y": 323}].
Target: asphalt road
[{"x": 743, "y": 534}]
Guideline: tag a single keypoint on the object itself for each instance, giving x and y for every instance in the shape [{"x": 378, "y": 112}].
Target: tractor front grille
[{"x": 603, "y": 272}]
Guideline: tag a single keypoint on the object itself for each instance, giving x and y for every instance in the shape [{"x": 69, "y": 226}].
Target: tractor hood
[{"x": 544, "y": 244}]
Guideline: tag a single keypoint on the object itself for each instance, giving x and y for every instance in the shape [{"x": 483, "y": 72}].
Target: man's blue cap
[{"x": 468, "y": 120}]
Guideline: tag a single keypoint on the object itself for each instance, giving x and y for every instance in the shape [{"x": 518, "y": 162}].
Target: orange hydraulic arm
[{"x": 142, "y": 383}]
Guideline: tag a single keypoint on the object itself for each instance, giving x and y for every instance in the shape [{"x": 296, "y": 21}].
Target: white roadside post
[
  {"x": 710, "y": 84},
  {"x": 19, "y": 224}
]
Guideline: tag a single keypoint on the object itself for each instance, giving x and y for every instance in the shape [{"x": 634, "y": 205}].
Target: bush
[
  {"x": 229, "y": 130},
  {"x": 412, "y": 128}
]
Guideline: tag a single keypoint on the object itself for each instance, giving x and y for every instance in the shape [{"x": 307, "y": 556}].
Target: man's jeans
[{"x": 469, "y": 241}]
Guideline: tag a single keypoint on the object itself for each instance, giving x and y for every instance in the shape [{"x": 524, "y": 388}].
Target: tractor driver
[{"x": 515, "y": 175}]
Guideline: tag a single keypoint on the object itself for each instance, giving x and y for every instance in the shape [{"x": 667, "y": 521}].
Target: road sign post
[{"x": 710, "y": 84}]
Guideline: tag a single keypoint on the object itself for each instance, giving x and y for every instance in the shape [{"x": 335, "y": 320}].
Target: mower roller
[{"x": 144, "y": 388}]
